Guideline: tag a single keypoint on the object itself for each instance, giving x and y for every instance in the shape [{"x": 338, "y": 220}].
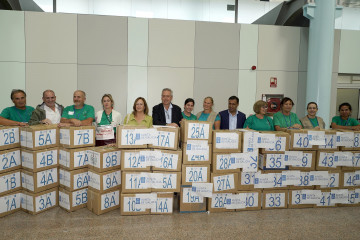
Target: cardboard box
[
  {"x": 72, "y": 201},
  {"x": 349, "y": 179},
  {"x": 196, "y": 130},
  {"x": 272, "y": 161},
  {"x": 165, "y": 181},
  {"x": 218, "y": 203},
  {"x": 10, "y": 182},
  {"x": 325, "y": 160},
  {"x": 304, "y": 182},
  {"x": 330, "y": 140},
  {"x": 222, "y": 163},
  {"x": 196, "y": 152},
  {"x": 104, "y": 181},
  {"x": 39, "y": 181},
  {"x": 275, "y": 199},
  {"x": 167, "y": 138},
  {"x": 353, "y": 198},
  {"x": 35, "y": 203},
  {"x": 334, "y": 181},
  {"x": 39, "y": 160},
  {"x": 76, "y": 158},
  {"x": 282, "y": 142},
  {"x": 189, "y": 202},
  {"x": 10, "y": 160},
  {"x": 74, "y": 180},
  {"x": 225, "y": 183},
  {"x": 195, "y": 173},
  {"x": 356, "y": 162},
  {"x": 131, "y": 204},
  {"x": 356, "y": 143},
  {"x": 246, "y": 180},
  {"x": 135, "y": 182},
  {"x": 249, "y": 140},
  {"x": 135, "y": 160},
  {"x": 226, "y": 141},
  {"x": 10, "y": 203},
  {"x": 164, "y": 204},
  {"x": 325, "y": 201},
  {"x": 9, "y": 137},
  {"x": 77, "y": 137},
  {"x": 104, "y": 158},
  {"x": 270, "y": 180},
  {"x": 308, "y": 161},
  {"x": 38, "y": 137},
  {"x": 170, "y": 161},
  {"x": 295, "y": 200},
  {"x": 134, "y": 136},
  {"x": 100, "y": 203},
  {"x": 299, "y": 140},
  {"x": 252, "y": 200}
]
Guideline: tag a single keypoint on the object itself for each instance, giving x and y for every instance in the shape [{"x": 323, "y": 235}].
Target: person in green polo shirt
[
  {"x": 188, "y": 108},
  {"x": 259, "y": 121},
  {"x": 79, "y": 114},
  {"x": 19, "y": 114},
  {"x": 344, "y": 121},
  {"x": 285, "y": 119}
]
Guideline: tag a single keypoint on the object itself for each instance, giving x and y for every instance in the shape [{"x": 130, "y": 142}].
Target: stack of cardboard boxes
[
  {"x": 10, "y": 165},
  {"x": 74, "y": 158},
  {"x": 151, "y": 169},
  {"x": 39, "y": 176}
]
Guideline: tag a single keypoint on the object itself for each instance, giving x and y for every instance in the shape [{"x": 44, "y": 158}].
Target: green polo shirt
[
  {"x": 255, "y": 123},
  {"x": 80, "y": 114},
  {"x": 341, "y": 122},
  {"x": 285, "y": 121},
  {"x": 18, "y": 115},
  {"x": 192, "y": 117}
]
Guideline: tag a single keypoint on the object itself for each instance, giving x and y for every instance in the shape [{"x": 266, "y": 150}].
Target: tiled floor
[{"x": 312, "y": 223}]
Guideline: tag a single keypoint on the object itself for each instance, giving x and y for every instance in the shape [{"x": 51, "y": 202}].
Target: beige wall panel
[
  {"x": 138, "y": 37},
  {"x": 137, "y": 85},
  {"x": 349, "y": 57},
  {"x": 247, "y": 91},
  {"x": 248, "y": 46}
]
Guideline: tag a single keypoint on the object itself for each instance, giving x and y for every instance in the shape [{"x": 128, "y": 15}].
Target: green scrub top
[
  {"x": 349, "y": 122},
  {"x": 284, "y": 121},
  {"x": 255, "y": 123},
  {"x": 192, "y": 117},
  {"x": 80, "y": 114},
  {"x": 18, "y": 115}
]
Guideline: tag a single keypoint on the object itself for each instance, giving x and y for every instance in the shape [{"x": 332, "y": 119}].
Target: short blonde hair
[
  {"x": 211, "y": 99},
  {"x": 110, "y": 97},
  {"x": 257, "y": 106}
]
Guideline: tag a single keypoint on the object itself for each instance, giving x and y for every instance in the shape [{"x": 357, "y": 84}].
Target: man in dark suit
[
  {"x": 166, "y": 113},
  {"x": 232, "y": 118}
]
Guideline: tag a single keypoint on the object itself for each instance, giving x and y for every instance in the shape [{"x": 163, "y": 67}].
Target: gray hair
[
  {"x": 48, "y": 90},
  {"x": 81, "y": 92},
  {"x": 167, "y": 89}
]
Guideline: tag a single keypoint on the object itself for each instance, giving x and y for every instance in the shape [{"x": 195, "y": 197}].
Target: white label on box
[
  {"x": 83, "y": 137},
  {"x": 265, "y": 140},
  {"x": 220, "y": 200},
  {"x": 355, "y": 160},
  {"x": 249, "y": 141},
  {"x": 344, "y": 158},
  {"x": 134, "y": 160},
  {"x": 291, "y": 177},
  {"x": 223, "y": 162},
  {"x": 152, "y": 158},
  {"x": 45, "y": 137},
  {"x": 47, "y": 177},
  {"x": 316, "y": 137},
  {"x": 252, "y": 199},
  {"x": 79, "y": 197},
  {"x": 23, "y": 136},
  {"x": 296, "y": 197},
  {"x": 198, "y": 130},
  {"x": 10, "y": 181},
  {"x": 10, "y": 202},
  {"x": 339, "y": 196},
  {"x": 146, "y": 200},
  {"x": 196, "y": 174},
  {"x": 81, "y": 180},
  {"x": 247, "y": 161},
  {"x": 293, "y": 158},
  {"x": 81, "y": 158},
  {"x": 226, "y": 140},
  {"x": 27, "y": 160},
  {"x": 304, "y": 179},
  {"x": 325, "y": 200},
  {"x": 65, "y": 136},
  {"x": 10, "y": 160},
  {"x": 247, "y": 178},
  {"x": 301, "y": 140},
  {"x": 111, "y": 180},
  {"x": 188, "y": 196},
  {"x": 351, "y": 179},
  {"x": 356, "y": 140},
  {"x": 310, "y": 196},
  {"x": 279, "y": 145},
  {"x": 306, "y": 160},
  {"x": 94, "y": 180},
  {"x": 45, "y": 201},
  {"x": 353, "y": 196},
  {"x": 194, "y": 147},
  {"x": 165, "y": 139},
  {"x": 236, "y": 201},
  {"x": 27, "y": 181},
  {"x": 64, "y": 158},
  {"x": 9, "y": 136},
  {"x": 327, "y": 160},
  {"x": 333, "y": 181},
  {"x": 345, "y": 139},
  {"x": 94, "y": 159},
  {"x": 162, "y": 205},
  {"x": 29, "y": 140},
  {"x": 274, "y": 200},
  {"x": 64, "y": 200},
  {"x": 129, "y": 205},
  {"x": 64, "y": 177},
  {"x": 319, "y": 177},
  {"x": 137, "y": 180},
  {"x": 168, "y": 161},
  {"x": 163, "y": 180},
  {"x": 111, "y": 159},
  {"x": 27, "y": 202},
  {"x": 224, "y": 182},
  {"x": 138, "y": 136},
  {"x": 269, "y": 180},
  {"x": 202, "y": 189},
  {"x": 330, "y": 142},
  {"x": 109, "y": 200},
  {"x": 275, "y": 161},
  {"x": 46, "y": 159}
]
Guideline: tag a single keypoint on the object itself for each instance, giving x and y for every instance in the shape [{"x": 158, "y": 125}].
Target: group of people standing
[{"x": 166, "y": 113}]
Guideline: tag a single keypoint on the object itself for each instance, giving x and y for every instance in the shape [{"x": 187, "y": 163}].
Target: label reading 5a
[{"x": 45, "y": 137}]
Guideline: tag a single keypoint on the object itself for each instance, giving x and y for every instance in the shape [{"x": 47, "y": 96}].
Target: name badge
[{"x": 71, "y": 112}]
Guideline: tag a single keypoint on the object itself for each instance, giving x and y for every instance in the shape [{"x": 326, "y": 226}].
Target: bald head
[{"x": 49, "y": 98}]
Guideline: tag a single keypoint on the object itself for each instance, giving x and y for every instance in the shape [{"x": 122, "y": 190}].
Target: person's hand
[
  {"x": 63, "y": 125},
  {"x": 77, "y": 123},
  {"x": 356, "y": 128},
  {"x": 296, "y": 126},
  {"x": 317, "y": 127},
  {"x": 22, "y": 124},
  {"x": 46, "y": 121},
  {"x": 172, "y": 125}
]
